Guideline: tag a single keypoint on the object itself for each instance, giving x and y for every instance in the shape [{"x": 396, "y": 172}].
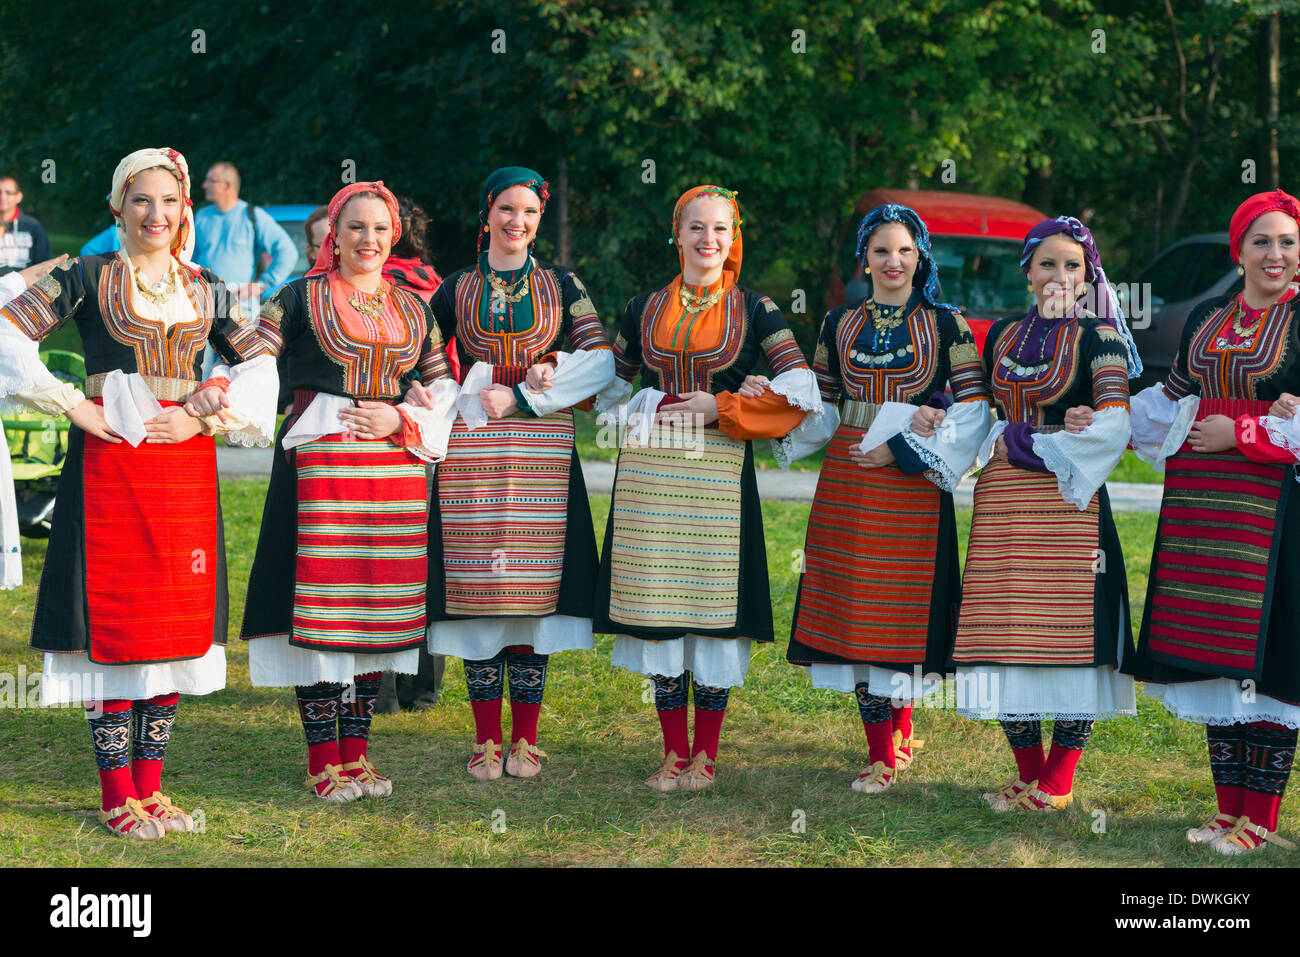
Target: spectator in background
[
  {"x": 232, "y": 237},
  {"x": 408, "y": 265},
  {"x": 317, "y": 227},
  {"x": 22, "y": 238}
]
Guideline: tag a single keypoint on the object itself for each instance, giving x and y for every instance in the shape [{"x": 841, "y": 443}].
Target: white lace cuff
[
  {"x": 578, "y": 375},
  {"x": 808, "y": 436},
  {"x": 1082, "y": 461},
  {"x": 1159, "y": 424},
  {"x": 950, "y": 453}
]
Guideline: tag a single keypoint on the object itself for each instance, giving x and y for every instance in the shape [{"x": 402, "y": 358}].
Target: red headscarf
[
  {"x": 325, "y": 259},
  {"x": 1252, "y": 209}
]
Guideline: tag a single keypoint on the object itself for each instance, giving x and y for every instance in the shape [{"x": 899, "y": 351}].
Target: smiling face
[
  {"x": 1270, "y": 255},
  {"x": 892, "y": 257},
  {"x": 513, "y": 219},
  {"x": 1058, "y": 275},
  {"x": 705, "y": 234},
  {"x": 365, "y": 234},
  {"x": 151, "y": 211}
]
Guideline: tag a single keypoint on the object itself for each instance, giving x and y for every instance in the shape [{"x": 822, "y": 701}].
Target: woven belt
[
  {"x": 858, "y": 414},
  {"x": 164, "y": 389}
]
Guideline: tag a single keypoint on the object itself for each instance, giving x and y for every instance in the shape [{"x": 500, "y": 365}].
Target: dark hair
[
  {"x": 415, "y": 226},
  {"x": 317, "y": 214}
]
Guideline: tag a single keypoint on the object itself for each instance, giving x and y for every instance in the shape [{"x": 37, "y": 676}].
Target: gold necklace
[
  {"x": 158, "y": 293},
  {"x": 694, "y": 303},
  {"x": 508, "y": 292},
  {"x": 1243, "y": 331},
  {"x": 884, "y": 321},
  {"x": 368, "y": 303}
]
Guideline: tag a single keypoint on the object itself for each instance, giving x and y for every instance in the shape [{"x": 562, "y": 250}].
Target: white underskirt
[
  {"x": 901, "y": 686},
  {"x": 1017, "y": 691},
  {"x": 70, "y": 679},
  {"x": 274, "y": 663},
  {"x": 476, "y": 639},
  {"x": 714, "y": 662},
  {"x": 1219, "y": 701}
]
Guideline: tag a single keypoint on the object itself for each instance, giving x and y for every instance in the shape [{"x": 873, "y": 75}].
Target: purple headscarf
[{"x": 1100, "y": 294}]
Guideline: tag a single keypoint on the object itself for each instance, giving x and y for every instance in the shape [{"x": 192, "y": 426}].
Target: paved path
[{"x": 789, "y": 486}]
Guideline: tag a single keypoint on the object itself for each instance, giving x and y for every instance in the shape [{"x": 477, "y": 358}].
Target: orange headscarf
[
  {"x": 325, "y": 258},
  {"x": 732, "y": 265}
]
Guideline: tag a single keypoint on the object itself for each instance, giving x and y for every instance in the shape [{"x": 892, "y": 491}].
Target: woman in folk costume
[
  {"x": 683, "y": 579},
  {"x": 337, "y": 590},
  {"x": 512, "y": 551},
  {"x": 131, "y": 610},
  {"x": 1044, "y": 614},
  {"x": 1219, "y": 634},
  {"x": 883, "y": 511}
]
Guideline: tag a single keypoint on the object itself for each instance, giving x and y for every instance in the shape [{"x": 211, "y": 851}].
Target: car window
[
  {"x": 982, "y": 277},
  {"x": 1209, "y": 265},
  {"x": 1166, "y": 273}
]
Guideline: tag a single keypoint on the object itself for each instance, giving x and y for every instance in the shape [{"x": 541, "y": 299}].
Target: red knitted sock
[
  {"x": 487, "y": 720},
  {"x": 523, "y": 721},
  {"x": 319, "y": 755},
  {"x": 902, "y": 719},
  {"x": 708, "y": 732},
  {"x": 677, "y": 733},
  {"x": 880, "y": 741},
  {"x": 1058, "y": 770},
  {"x": 147, "y": 773},
  {"x": 1230, "y": 799},
  {"x": 1262, "y": 808},
  {"x": 1029, "y": 763}
]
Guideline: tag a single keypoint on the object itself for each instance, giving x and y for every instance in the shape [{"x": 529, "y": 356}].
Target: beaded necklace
[{"x": 508, "y": 289}]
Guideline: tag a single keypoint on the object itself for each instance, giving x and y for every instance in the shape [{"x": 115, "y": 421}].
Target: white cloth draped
[
  {"x": 128, "y": 404},
  {"x": 578, "y": 376},
  {"x": 900, "y": 686},
  {"x": 950, "y": 452},
  {"x": 799, "y": 388},
  {"x": 713, "y": 662},
  {"x": 11, "y": 556},
  {"x": 468, "y": 404},
  {"x": 321, "y": 418},
  {"x": 1221, "y": 701},
  {"x": 1083, "y": 461},
  {"x": 1159, "y": 424},
  {"x": 274, "y": 663},
  {"x": 254, "y": 388},
  {"x": 808, "y": 437},
  {"x": 71, "y": 678},
  {"x": 480, "y": 638}
]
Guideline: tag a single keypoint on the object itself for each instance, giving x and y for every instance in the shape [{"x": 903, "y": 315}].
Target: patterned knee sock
[
  {"x": 878, "y": 722},
  {"x": 318, "y": 707},
  {"x": 902, "y": 721},
  {"x": 109, "y": 736},
  {"x": 1026, "y": 739},
  {"x": 670, "y": 702},
  {"x": 527, "y": 674},
  {"x": 151, "y": 730},
  {"x": 354, "y": 718},
  {"x": 1069, "y": 738},
  {"x": 1270, "y": 751},
  {"x": 710, "y": 709},
  {"x": 1227, "y": 747},
  {"x": 485, "y": 680}
]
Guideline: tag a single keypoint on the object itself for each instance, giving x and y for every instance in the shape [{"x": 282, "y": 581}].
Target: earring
[
  {"x": 1030, "y": 287},
  {"x": 337, "y": 250},
  {"x": 1241, "y": 270},
  {"x": 866, "y": 271},
  {"x": 485, "y": 229}
]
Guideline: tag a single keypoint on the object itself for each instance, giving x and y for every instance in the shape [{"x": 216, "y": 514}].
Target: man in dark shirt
[{"x": 22, "y": 238}]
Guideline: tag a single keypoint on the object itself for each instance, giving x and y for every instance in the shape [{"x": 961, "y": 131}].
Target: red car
[{"x": 976, "y": 242}]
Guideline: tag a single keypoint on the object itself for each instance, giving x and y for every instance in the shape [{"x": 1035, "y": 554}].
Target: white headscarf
[{"x": 172, "y": 160}]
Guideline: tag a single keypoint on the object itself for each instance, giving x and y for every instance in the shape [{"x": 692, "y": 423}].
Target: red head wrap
[
  {"x": 325, "y": 259},
  {"x": 1252, "y": 209}
]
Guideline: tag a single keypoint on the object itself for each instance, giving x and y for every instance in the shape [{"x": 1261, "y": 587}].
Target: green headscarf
[{"x": 498, "y": 182}]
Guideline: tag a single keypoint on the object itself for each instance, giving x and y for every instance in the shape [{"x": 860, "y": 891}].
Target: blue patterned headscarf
[
  {"x": 1103, "y": 296},
  {"x": 926, "y": 278}
]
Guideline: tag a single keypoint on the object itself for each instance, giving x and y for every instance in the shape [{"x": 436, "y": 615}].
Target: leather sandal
[
  {"x": 524, "y": 760},
  {"x": 370, "y": 781},
  {"x": 879, "y": 777},
  {"x": 160, "y": 808},
  {"x": 485, "y": 765},
  {"x": 1235, "y": 842},
  {"x": 1034, "y": 798},
  {"x": 697, "y": 775},
  {"x": 338, "y": 789},
  {"x": 135, "y": 821},
  {"x": 1205, "y": 834},
  {"x": 1004, "y": 799},
  {"x": 667, "y": 777},
  {"x": 902, "y": 759}
]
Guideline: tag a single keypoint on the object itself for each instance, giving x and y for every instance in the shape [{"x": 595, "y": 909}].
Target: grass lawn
[{"x": 788, "y": 755}]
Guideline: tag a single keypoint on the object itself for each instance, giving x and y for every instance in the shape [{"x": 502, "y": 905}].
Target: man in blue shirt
[{"x": 227, "y": 242}]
